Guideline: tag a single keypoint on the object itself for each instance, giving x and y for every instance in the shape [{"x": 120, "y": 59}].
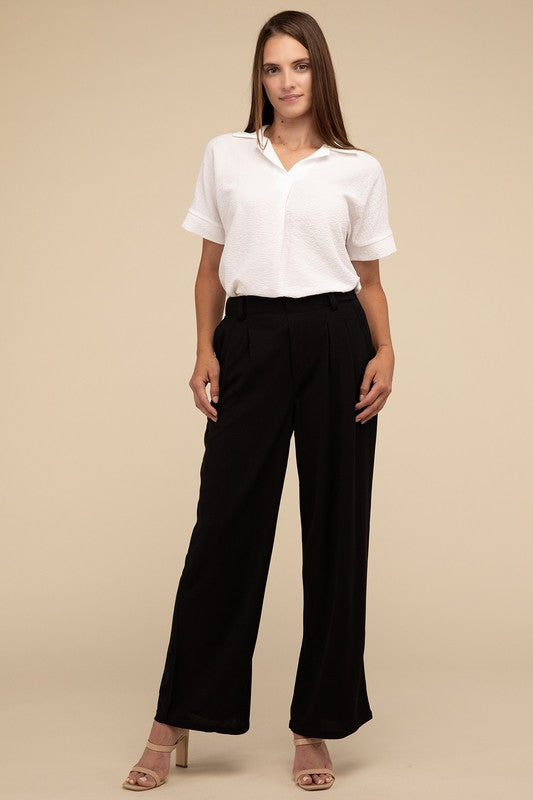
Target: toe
[
  {"x": 146, "y": 780},
  {"x": 141, "y": 779}
]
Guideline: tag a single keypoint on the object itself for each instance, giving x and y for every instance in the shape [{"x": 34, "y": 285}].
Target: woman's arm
[
  {"x": 380, "y": 369},
  {"x": 372, "y": 298},
  {"x": 209, "y": 297}
]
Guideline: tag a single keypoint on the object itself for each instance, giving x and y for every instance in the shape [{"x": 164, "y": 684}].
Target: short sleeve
[
  {"x": 203, "y": 217},
  {"x": 371, "y": 236}
]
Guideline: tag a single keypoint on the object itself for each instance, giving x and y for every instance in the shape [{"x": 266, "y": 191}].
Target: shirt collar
[{"x": 265, "y": 141}]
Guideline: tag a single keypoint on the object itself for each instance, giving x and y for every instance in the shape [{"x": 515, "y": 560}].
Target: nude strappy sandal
[
  {"x": 312, "y": 770},
  {"x": 182, "y": 751}
]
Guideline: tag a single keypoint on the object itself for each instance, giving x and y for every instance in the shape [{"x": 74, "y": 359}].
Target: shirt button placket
[{"x": 285, "y": 192}]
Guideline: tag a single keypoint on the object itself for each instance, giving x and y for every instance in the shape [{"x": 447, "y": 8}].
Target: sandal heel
[{"x": 182, "y": 751}]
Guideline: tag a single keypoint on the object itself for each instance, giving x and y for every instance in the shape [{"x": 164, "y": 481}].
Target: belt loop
[
  {"x": 240, "y": 306},
  {"x": 332, "y": 301}
]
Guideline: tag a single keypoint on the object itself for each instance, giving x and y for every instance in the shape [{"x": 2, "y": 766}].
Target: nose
[{"x": 287, "y": 84}]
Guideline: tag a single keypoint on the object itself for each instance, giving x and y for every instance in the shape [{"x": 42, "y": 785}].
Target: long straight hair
[{"x": 325, "y": 109}]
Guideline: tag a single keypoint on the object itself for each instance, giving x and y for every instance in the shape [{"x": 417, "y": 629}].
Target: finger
[
  {"x": 373, "y": 404},
  {"x": 366, "y": 383},
  {"x": 369, "y": 412},
  {"x": 202, "y": 402},
  {"x": 209, "y": 410},
  {"x": 369, "y": 397},
  {"x": 214, "y": 388}
]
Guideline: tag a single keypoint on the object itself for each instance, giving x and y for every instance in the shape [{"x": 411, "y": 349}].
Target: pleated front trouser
[{"x": 287, "y": 365}]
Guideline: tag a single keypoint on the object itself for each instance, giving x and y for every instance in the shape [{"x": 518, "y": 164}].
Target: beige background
[{"x": 106, "y": 109}]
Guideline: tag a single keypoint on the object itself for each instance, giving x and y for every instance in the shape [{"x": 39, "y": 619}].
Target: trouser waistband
[{"x": 241, "y": 305}]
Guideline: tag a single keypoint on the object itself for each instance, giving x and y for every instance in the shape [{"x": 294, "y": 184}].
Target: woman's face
[{"x": 286, "y": 71}]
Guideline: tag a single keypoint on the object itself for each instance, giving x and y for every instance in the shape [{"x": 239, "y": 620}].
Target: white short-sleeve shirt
[{"x": 289, "y": 232}]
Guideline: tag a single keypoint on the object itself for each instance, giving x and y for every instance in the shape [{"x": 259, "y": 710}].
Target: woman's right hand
[{"x": 206, "y": 370}]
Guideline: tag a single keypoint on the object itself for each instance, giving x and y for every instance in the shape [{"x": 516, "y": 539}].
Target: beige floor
[{"x": 435, "y": 736}]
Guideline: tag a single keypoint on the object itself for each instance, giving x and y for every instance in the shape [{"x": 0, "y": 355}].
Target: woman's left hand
[{"x": 378, "y": 375}]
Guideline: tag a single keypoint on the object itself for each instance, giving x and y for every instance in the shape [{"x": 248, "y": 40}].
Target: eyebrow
[{"x": 270, "y": 64}]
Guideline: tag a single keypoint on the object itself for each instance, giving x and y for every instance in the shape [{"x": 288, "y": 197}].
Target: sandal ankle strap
[
  {"x": 163, "y": 748},
  {"x": 307, "y": 740}
]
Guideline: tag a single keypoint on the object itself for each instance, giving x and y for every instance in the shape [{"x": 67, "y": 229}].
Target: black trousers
[{"x": 287, "y": 365}]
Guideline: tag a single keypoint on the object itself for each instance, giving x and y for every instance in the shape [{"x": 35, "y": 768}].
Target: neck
[{"x": 294, "y": 135}]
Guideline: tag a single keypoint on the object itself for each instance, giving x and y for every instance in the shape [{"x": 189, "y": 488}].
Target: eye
[{"x": 270, "y": 70}]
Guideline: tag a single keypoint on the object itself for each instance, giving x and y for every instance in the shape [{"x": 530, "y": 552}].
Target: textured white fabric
[{"x": 289, "y": 232}]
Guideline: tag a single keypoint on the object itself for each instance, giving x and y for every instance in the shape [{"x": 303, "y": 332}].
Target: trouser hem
[
  {"x": 326, "y": 730},
  {"x": 195, "y": 723}
]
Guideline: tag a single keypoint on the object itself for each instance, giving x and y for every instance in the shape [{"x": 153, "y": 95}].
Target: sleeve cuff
[
  {"x": 204, "y": 227},
  {"x": 379, "y": 248}
]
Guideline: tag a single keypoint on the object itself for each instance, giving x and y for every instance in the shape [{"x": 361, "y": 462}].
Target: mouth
[{"x": 291, "y": 97}]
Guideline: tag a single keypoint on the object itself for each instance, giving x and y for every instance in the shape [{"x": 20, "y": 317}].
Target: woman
[{"x": 294, "y": 220}]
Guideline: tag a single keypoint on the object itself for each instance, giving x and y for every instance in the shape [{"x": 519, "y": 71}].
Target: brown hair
[{"x": 326, "y": 111}]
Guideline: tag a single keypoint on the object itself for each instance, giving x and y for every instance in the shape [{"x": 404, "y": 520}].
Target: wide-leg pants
[{"x": 287, "y": 365}]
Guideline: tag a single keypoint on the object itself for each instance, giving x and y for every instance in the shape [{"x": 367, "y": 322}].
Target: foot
[
  {"x": 312, "y": 756},
  {"x": 153, "y": 759}
]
